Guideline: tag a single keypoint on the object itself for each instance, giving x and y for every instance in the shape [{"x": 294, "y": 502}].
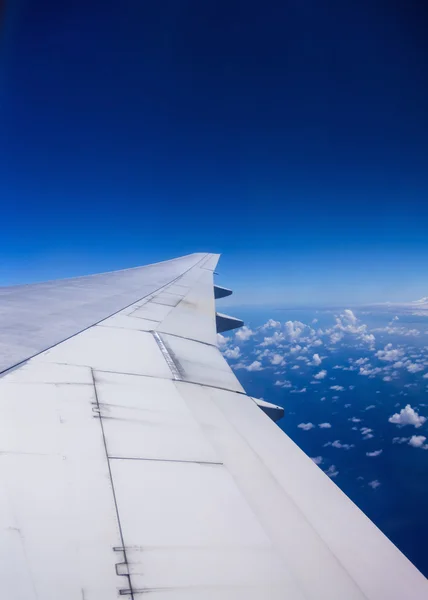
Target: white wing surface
[{"x": 133, "y": 464}]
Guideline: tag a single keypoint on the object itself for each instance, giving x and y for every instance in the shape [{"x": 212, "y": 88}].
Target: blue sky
[{"x": 291, "y": 137}]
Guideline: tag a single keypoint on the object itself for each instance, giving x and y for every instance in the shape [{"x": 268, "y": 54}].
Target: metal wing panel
[{"x": 35, "y": 317}]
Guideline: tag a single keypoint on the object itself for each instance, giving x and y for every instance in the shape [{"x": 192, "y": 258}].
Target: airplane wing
[{"x": 133, "y": 464}]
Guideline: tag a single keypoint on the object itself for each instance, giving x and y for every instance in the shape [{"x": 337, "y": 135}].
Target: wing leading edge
[{"x": 132, "y": 462}]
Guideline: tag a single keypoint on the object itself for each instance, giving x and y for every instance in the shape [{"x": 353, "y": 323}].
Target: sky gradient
[{"x": 291, "y": 137}]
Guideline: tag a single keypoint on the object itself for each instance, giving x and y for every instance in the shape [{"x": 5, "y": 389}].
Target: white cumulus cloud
[
  {"x": 407, "y": 416},
  {"x": 324, "y": 425},
  {"x": 306, "y": 426},
  {"x": 374, "y": 484},
  {"x": 374, "y": 453},
  {"x": 320, "y": 375},
  {"x": 332, "y": 471},
  {"x": 338, "y": 444},
  {"x": 316, "y": 360},
  {"x": 418, "y": 441},
  {"x": 277, "y": 359},
  {"x": 389, "y": 353},
  {"x": 232, "y": 352},
  {"x": 255, "y": 366},
  {"x": 244, "y": 333}
]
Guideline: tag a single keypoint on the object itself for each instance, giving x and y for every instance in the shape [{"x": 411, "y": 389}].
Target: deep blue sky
[{"x": 290, "y": 136}]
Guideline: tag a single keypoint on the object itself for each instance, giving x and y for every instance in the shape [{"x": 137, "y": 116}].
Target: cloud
[
  {"x": 232, "y": 353},
  {"x": 222, "y": 340},
  {"x": 337, "y": 388},
  {"x": 244, "y": 333},
  {"x": 414, "y": 367},
  {"x": 320, "y": 375},
  {"x": 336, "y": 337},
  {"x": 367, "y": 433},
  {"x": 270, "y": 324},
  {"x": 374, "y": 453},
  {"x": 369, "y": 372},
  {"x": 361, "y": 361},
  {"x": 306, "y": 426},
  {"x": 283, "y": 383},
  {"x": 389, "y": 353},
  {"x": 407, "y": 416},
  {"x": 277, "y": 359},
  {"x": 316, "y": 360},
  {"x": 332, "y": 471},
  {"x": 349, "y": 316},
  {"x": 302, "y": 391},
  {"x": 347, "y": 323},
  {"x": 370, "y": 407},
  {"x": 418, "y": 441},
  {"x": 338, "y": 444},
  {"x": 374, "y": 484},
  {"x": 317, "y": 459},
  {"x": 274, "y": 340},
  {"x": 400, "y": 440},
  {"x": 324, "y": 425},
  {"x": 255, "y": 366},
  {"x": 354, "y": 420}
]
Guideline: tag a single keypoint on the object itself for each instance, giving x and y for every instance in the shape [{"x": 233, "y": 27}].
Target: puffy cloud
[
  {"x": 336, "y": 337},
  {"x": 361, "y": 361},
  {"x": 347, "y": 323},
  {"x": 387, "y": 378},
  {"x": 317, "y": 459},
  {"x": 295, "y": 349},
  {"x": 232, "y": 353},
  {"x": 283, "y": 383},
  {"x": 367, "y": 433},
  {"x": 244, "y": 333},
  {"x": 338, "y": 444},
  {"x": 369, "y": 372},
  {"x": 425, "y": 376},
  {"x": 324, "y": 425},
  {"x": 337, "y": 388},
  {"x": 374, "y": 484},
  {"x": 294, "y": 329},
  {"x": 320, "y": 375},
  {"x": 414, "y": 367},
  {"x": 275, "y": 340},
  {"x": 374, "y": 453},
  {"x": 349, "y": 316},
  {"x": 389, "y": 353},
  {"x": 332, "y": 471},
  {"x": 277, "y": 359},
  {"x": 255, "y": 366},
  {"x": 400, "y": 440},
  {"x": 306, "y": 426},
  {"x": 407, "y": 416},
  {"x": 271, "y": 324},
  {"x": 222, "y": 340},
  {"x": 316, "y": 360},
  {"x": 418, "y": 441},
  {"x": 354, "y": 420}
]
